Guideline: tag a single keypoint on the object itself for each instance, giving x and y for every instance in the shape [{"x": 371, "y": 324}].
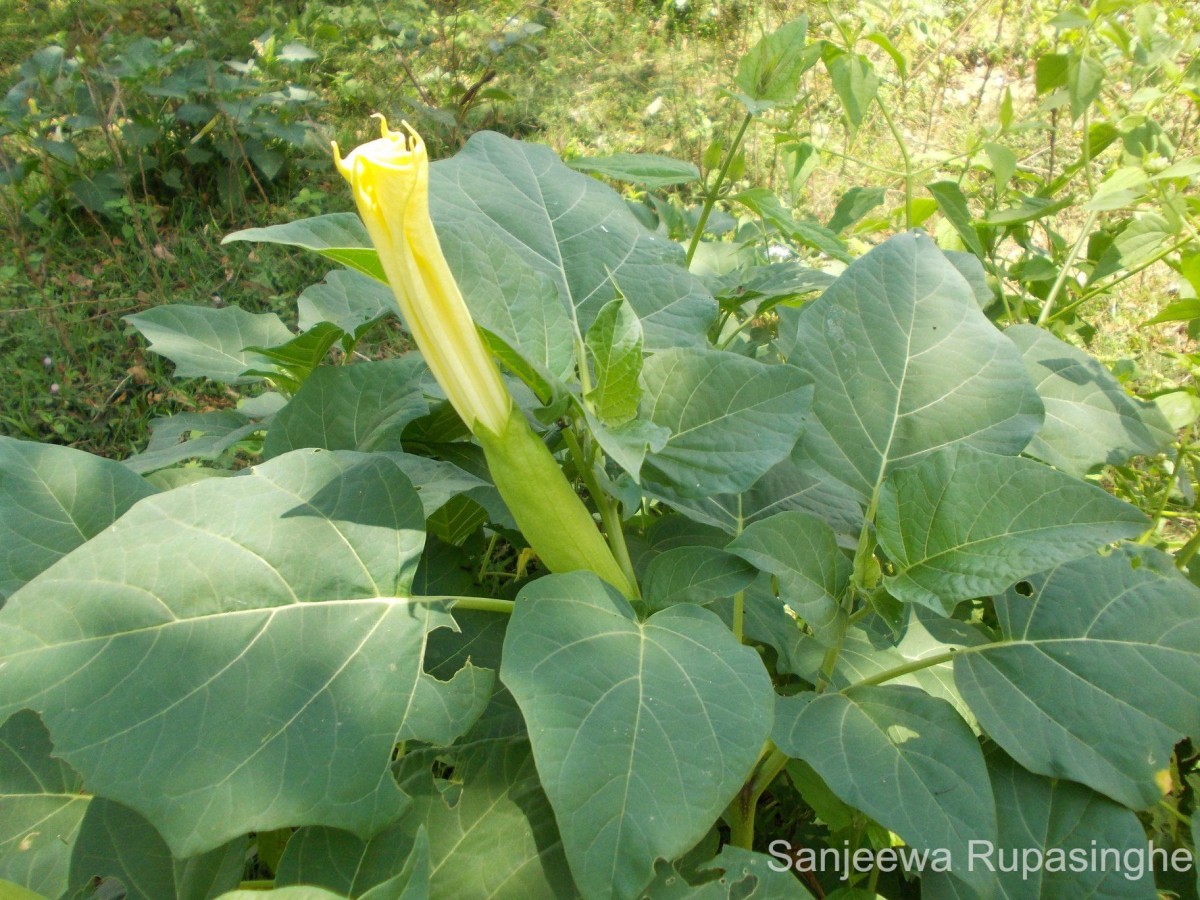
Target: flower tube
[{"x": 390, "y": 180}]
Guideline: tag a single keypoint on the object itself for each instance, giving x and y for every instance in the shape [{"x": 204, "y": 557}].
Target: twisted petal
[{"x": 390, "y": 180}]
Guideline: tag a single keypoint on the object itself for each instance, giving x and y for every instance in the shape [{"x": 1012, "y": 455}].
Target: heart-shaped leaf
[
  {"x": 642, "y": 732},
  {"x": 803, "y": 555},
  {"x": 904, "y": 364},
  {"x": 341, "y": 237},
  {"x": 1116, "y": 636},
  {"x": 360, "y": 407},
  {"x": 964, "y": 523},
  {"x": 906, "y": 759},
  {"x": 286, "y": 591},
  {"x": 348, "y": 299},
  {"x": 41, "y": 806},
  {"x": 115, "y": 843},
  {"x": 615, "y": 343},
  {"x": 211, "y": 343},
  {"x": 489, "y": 833},
  {"x": 206, "y": 435},
  {"x": 646, "y": 169},
  {"x": 1068, "y": 824},
  {"x": 694, "y": 575}
]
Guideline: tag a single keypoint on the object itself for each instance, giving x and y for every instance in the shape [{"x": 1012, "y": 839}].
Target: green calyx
[{"x": 545, "y": 506}]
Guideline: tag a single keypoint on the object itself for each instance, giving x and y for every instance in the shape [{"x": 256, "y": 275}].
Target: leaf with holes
[
  {"x": 964, "y": 523},
  {"x": 904, "y": 758},
  {"x": 1116, "y": 636}
]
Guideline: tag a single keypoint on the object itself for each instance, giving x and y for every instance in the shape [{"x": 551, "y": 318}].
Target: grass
[{"x": 597, "y": 78}]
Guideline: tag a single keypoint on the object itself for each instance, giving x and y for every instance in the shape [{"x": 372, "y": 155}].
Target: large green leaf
[
  {"x": 183, "y": 436},
  {"x": 491, "y": 835},
  {"x": 347, "y": 866},
  {"x": 52, "y": 499},
  {"x": 642, "y": 731},
  {"x": 694, "y": 575},
  {"x": 341, "y": 237},
  {"x": 712, "y": 403},
  {"x": 788, "y": 485},
  {"x": 1196, "y": 844},
  {"x": 285, "y": 591},
  {"x": 803, "y": 555},
  {"x": 498, "y": 839},
  {"x": 1098, "y": 675},
  {"x": 361, "y": 407},
  {"x": 41, "y": 806},
  {"x": 615, "y": 343},
  {"x": 905, "y": 363},
  {"x": 290, "y": 363},
  {"x": 771, "y": 70},
  {"x": 1135, "y": 246},
  {"x": 646, "y": 169},
  {"x": 953, "y": 204},
  {"x": 211, "y": 343},
  {"x": 291, "y": 892},
  {"x": 628, "y": 443},
  {"x": 744, "y": 875},
  {"x": 769, "y": 285},
  {"x": 1066, "y": 822},
  {"x": 854, "y": 204},
  {"x": 510, "y": 298},
  {"x": 1090, "y": 419},
  {"x": 114, "y": 842},
  {"x": 906, "y": 759},
  {"x": 572, "y": 228},
  {"x": 350, "y": 300},
  {"x": 854, "y": 81},
  {"x": 964, "y": 523}
]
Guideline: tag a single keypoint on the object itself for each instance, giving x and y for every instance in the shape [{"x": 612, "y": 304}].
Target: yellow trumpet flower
[{"x": 390, "y": 180}]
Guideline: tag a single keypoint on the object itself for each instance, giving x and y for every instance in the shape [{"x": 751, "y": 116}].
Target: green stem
[
  {"x": 736, "y": 331},
  {"x": 828, "y": 664},
  {"x": 740, "y": 813},
  {"x": 487, "y": 556},
  {"x": 883, "y": 170},
  {"x": 1065, "y": 271},
  {"x": 858, "y": 615},
  {"x": 711, "y": 195},
  {"x": 480, "y": 604},
  {"x": 908, "y": 169},
  {"x": 1087, "y": 152},
  {"x": 917, "y": 665},
  {"x": 739, "y": 615},
  {"x": 1187, "y": 551},
  {"x": 1184, "y": 820},
  {"x": 739, "y": 599},
  {"x": 610, "y": 516}
]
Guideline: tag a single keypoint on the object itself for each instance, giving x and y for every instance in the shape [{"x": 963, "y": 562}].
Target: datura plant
[{"x": 626, "y": 581}]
